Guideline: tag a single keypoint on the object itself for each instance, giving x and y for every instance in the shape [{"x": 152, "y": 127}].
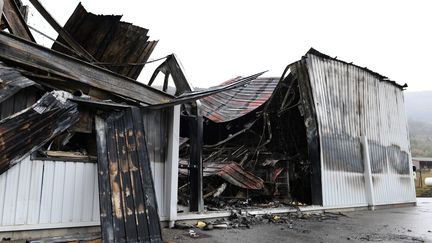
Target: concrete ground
[{"x": 407, "y": 224}]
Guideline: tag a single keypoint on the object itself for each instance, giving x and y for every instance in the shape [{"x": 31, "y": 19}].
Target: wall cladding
[
  {"x": 46, "y": 194},
  {"x": 37, "y": 194},
  {"x": 352, "y": 102}
]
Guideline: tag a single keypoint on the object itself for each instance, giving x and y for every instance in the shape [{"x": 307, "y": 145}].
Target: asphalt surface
[{"x": 407, "y": 224}]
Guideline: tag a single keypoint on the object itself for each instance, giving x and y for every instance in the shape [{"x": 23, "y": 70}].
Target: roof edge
[{"x": 379, "y": 76}]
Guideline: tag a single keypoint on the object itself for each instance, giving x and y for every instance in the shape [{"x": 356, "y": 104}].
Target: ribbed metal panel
[
  {"x": 51, "y": 194},
  {"x": 351, "y": 102},
  {"x": 231, "y": 104},
  {"x": 156, "y": 129},
  {"x": 48, "y": 194}
]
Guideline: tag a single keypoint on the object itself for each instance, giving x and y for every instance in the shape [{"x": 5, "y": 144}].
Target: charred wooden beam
[
  {"x": 64, "y": 34},
  {"x": 128, "y": 206},
  {"x": 36, "y": 58},
  {"x": 27, "y": 131},
  {"x": 15, "y": 21}
]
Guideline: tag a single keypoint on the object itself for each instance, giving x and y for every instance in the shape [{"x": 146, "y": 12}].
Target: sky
[{"x": 218, "y": 40}]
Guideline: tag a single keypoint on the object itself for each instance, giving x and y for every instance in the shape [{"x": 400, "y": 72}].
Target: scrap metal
[
  {"x": 116, "y": 45},
  {"x": 128, "y": 200},
  {"x": 26, "y": 131},
  {"x": 62, "y": 32},
  {"x": 232, "y": 104}
]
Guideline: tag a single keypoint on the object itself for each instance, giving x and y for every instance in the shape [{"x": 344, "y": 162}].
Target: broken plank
[{"x": 15, "y": 21}]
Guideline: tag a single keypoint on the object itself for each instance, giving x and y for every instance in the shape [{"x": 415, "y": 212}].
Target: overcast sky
[{"x": 218, "y": 40}]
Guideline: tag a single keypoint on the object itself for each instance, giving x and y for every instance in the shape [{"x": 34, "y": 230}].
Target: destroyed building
[
  {"x": 326, "y": 133},
  {"x": 84, "y": 144}
]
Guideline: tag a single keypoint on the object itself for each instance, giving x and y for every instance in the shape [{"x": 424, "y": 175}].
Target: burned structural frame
[
  {"x": 263, "y": 125},
  {"x": 347, "y": 118}
]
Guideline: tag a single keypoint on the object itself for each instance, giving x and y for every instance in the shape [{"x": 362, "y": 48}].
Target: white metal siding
[
  {"x": 48, "y": 194},
  {"x": 156, "y": 124},
  {"x": 55, "y": 194},
  {"x": 351, "y": 102}
]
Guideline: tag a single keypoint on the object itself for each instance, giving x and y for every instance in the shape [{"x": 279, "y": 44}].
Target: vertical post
[
  {"x": 368, "y": 173},
  {"x": 196, "y": 202},
  {"x": 171, "y": 168},
  {"x": 1, "y": 7},
  {"x": 421, "y": 179}
]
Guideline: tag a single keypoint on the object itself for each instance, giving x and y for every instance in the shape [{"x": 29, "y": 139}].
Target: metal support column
[
  {"x": 368, "y": 173},
  {"x": 171, "y": 169},
  {"x": 196, "y": 202}
]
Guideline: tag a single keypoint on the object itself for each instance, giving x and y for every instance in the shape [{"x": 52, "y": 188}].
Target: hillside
[{"x": 419, "y": 112}]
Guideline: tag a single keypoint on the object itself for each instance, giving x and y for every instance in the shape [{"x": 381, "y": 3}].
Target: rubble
[
  {"x": 80, "y": 101},
  {"x": 250, "y": 144},
  {"x": 241, "y": 219}
]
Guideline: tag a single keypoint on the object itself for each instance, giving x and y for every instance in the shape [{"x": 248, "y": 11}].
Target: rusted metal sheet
[
  {"x": 234, "y": 103},
  {"x": 15, "y": 22},
  {"x": 126, "y": 190},
  {"x": 62, "y": 32},
  {"x": 187, "y": 97},
  {"x": 119, "y": 46},
  {"x": 25, "y": 132},
  {"x": 235, "y": 174}
]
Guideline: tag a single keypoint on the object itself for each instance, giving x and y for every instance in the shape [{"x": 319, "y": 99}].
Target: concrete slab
[{"x": 404, "y": 224}]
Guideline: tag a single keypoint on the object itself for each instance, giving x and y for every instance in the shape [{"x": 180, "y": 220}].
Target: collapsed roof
[{"x": 83, "y": 92}]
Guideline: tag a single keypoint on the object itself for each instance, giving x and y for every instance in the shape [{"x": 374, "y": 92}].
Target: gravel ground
[{"x": 407, "y": 224}]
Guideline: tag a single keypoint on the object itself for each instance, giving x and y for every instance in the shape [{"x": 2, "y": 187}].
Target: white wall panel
[
  {"x": 37, "y": 194},
  {"x": 352, "y": 102},
  {"x": 48, "y": 194}
]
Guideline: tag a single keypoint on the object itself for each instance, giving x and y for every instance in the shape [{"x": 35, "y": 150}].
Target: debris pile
[
  {"x": 80, "y": 101},
  {"x": 254, "y": 147},
  {"x": 241, "y": 219}
]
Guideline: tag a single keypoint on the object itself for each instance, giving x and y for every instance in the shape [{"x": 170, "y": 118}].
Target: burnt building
[{"x": 326, "y": 133}]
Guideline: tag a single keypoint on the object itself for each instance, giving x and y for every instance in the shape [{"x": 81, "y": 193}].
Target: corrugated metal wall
[
  {"x": 156, "y": 129},
  {"x": 45, "y": 194},
  {"x": 351, "y": 102},
  {"x": 37, "y": 194}
]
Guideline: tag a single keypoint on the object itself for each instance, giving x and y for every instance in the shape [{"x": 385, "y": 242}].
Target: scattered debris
[
  {"x": 79, "y": 101},
  {"x": 193, "y": 234},
  {"x": 201, "y": 224}
]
